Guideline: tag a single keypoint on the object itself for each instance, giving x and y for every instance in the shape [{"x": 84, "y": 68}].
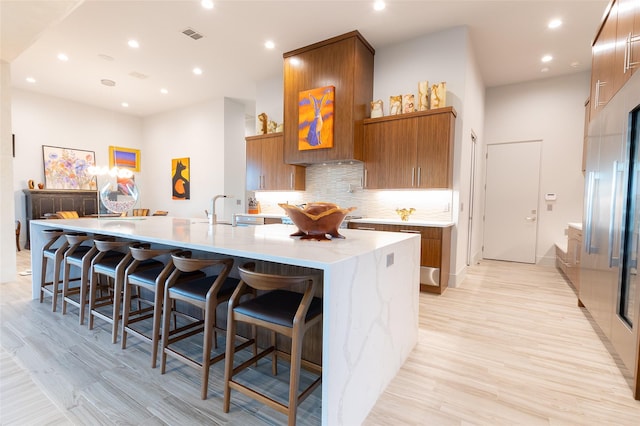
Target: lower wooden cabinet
[{"x": 435, "y": 253}]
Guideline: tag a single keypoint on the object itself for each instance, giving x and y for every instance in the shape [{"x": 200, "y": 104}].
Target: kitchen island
[{"x": 370, "y": 292}]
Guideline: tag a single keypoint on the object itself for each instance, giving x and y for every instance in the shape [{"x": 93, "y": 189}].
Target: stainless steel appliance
[
  {"x": 609, "y": 259},
  {"x": 243, "y": 220}
]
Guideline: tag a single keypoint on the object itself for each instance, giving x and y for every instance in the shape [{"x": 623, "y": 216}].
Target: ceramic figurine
[
  {"x": 262, "y": 117},
  {"x": 408, "y": 103},
  {"x": 423, "y": 95},
  {"x": 439, "y": 95},
  {"x": 271, "y": 127},
  {"x": 395, "y": 105},
  {"x": 376, "y": 108}
]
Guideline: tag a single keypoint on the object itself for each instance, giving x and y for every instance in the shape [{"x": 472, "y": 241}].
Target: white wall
[
  {"x": 551, "y": 110},
  {"x": 7, "y": 215},
  {"x": 45, "y": 120},
  {"x": 197, "y": 132},
  {"x": 235, "y": 164}
]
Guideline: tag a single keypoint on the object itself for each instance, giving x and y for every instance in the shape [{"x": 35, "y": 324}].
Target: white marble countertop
[
  {"x": 268, "y": 242},
  {"x": 576, "y": 225},
  {"x": 412, "y": 222}
]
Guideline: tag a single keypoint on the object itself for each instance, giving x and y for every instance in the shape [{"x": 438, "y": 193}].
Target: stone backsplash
[{"x": 342, "y": 184}]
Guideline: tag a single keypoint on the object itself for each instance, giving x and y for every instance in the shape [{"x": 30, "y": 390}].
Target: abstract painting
[
  {"x": 124, "y": 157},
  {"x": 67, "y": 168},
  {"x": 180, "y": 186},
  {"x": 315, "y": 118}
]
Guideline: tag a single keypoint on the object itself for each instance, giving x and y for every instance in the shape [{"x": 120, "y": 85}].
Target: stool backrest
[
  {"x": 272, "y": 281},
  {"x": 71, "y": 214}
]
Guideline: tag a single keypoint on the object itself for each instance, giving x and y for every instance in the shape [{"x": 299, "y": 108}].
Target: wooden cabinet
[
  {"x": 568, "y": 257},
  {"x": 266, "y": 170},
  {"x": 412, "y": 150},
  {"x": 627, "y": 57},
  {"x": 574, "y": 241},
  {"x": 615, "y": 52},
  {"x": 603, "y": 63},
  {"x": 435, "y": 252},
  {"x": 346, "y": 63},
  {"x": 43, "y": 201}
]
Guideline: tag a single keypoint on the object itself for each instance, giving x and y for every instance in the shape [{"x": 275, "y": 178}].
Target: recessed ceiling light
[
  {"x": 164, "y": 91},
  {"x": 30, "y": 80},
  {"x": 547, "y": 58},
  {"x": 554, "y": 23},
  {"x": 63, "y": 57},
  {"x": 574, "y": 64},
  {"x": 269, "y": 44},
  {"x": 379, "y": 5},
  {"x": 545, "y": 69},
  {"x": 133, "y": 44},
  {"x": 207, "y": 4},
  {"x": 107, "y": 82},
  {"x": 197, "y": 71},
  {"x": 125, "y": 105}
]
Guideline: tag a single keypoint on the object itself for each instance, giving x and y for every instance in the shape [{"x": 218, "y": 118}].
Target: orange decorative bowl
[{"x": 317, "y": 220}]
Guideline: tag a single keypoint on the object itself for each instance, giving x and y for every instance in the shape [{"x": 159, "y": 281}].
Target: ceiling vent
[
  {"x": 136, "y": 74},
  {"x": 189, "y": 32}
]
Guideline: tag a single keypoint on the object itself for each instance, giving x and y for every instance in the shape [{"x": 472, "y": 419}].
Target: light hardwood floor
[{"x": 508, "y": 347}]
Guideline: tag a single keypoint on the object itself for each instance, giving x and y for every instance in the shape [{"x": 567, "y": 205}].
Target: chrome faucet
[{"x": 212, "y": 219}]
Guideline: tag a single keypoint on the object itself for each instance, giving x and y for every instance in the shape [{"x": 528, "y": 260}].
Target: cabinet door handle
[
  {"x": 410, "y": 231},
  {"x": 413, "y": 176},
  {"x": 291, "y": 180},
  {"x": 613, "y": 260},
  {"x": 366, "y": 181},
  {"x": 365, "y": 228},
  {"x": 628, "y": 51},
  {"x": 597, "y": 100},
  {"x": 419, "y": 176}
]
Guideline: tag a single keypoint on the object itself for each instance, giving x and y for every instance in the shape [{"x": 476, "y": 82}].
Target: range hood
[{"x": 346, "y": 63}]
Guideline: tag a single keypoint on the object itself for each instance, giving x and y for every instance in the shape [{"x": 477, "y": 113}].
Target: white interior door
[{"x": 511, "y": 204}]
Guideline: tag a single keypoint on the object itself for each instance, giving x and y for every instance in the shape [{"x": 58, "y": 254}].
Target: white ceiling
[{"x": 508, "y": 37}]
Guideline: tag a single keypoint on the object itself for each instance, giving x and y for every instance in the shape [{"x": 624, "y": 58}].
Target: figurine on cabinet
[
  {"x": 272, "y": 126},
  {"x": 262, "y": 117},
  {"x": 395, "y": 105},
  {"x": 423, "y": 95},
  {"x": 376, "y": 109},
  {"x": 439, "y": 95},
  {"x": 408, "y": 103}
]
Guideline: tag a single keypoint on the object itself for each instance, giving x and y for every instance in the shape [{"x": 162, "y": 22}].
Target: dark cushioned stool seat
[{"x": 278, "y": 307}]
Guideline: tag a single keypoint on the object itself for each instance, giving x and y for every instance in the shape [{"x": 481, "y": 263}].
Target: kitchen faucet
[{"x": 212, "y": 219}]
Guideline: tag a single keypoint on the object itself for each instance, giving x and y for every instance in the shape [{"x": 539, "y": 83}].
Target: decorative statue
[
  {"x": 376, "y": 108},
  {"x": 271, "y": 127},
  {"x": 408, "y": 103},
  {"x": 423, "y": 95},
  {"x": 395, "y": 105},
  {"x": 438, "y": 95},
  {"x": 263, "y": 123}
]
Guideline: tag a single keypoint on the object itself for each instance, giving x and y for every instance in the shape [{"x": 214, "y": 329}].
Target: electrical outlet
[
  {"x": 389, "y": 259},
  {"x": 238, "y": 202}
]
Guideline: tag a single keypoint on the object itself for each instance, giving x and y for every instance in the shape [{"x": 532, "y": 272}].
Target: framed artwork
[
  {"x": 124, "y": 157},
  {"x": 315, "y": 118},
  {"x": 68, "y": 168},
  {"x": 180, "y": 175}
]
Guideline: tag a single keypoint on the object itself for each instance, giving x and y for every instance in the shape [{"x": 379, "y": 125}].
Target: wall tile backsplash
[{"x": 342, "y": 184}]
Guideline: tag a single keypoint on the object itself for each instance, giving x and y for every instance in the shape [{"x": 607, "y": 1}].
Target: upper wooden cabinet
[
  {"x": 345, "y": 62},
  {"x": 615, "y": 52},
  {"x": 266, "y": 170},
  {"x": 412, "y": 150}
]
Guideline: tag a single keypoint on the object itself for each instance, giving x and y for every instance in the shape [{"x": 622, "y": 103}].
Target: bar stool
[
  {"x": 79, "y": 254},
  {"x": 205, "y": 293},
  {"x": 112, "y": 264},
  {"x": 281, "y": 311},
  {"x": 55, "y": 253},
  {"x": 152, "y": 279}
]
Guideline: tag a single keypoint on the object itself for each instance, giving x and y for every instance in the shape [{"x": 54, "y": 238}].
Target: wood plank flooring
[{"x": 508, "y": 347}]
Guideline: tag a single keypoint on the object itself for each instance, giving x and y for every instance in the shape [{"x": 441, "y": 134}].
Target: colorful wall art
[
  {"x": 315, "y": 118},
  {"x": 124, "y": 157},
  {"x": 180, "y": 185},
  {"x": 66, "y": 168}
]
